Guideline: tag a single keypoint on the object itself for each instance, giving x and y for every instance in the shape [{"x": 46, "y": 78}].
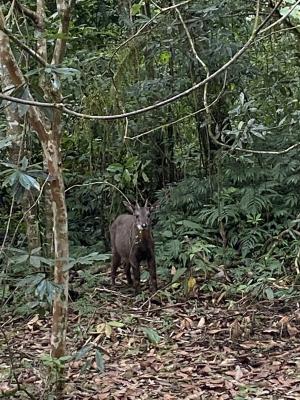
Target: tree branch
[
  {"x": 23, "y": 46},
  {"x": 170, "y": 100},
  {"x": 25, "y": 10},
  {"x": 8, "y": 63}
]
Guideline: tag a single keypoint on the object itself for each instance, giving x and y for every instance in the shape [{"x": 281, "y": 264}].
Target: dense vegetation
[{"x": 223, "y": 160}]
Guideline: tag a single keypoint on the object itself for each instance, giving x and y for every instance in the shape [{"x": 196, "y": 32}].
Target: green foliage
[
  {"x": 151, "y": 335},
  {"x": 218, "y": 207},
  {"x": 21, "y": 177},
  {"x": 32, "y": 279},
  {"x": 241, "y": 223}
]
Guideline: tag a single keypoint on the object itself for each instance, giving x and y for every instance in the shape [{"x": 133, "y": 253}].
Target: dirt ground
[{"x": 129, "y": 348}]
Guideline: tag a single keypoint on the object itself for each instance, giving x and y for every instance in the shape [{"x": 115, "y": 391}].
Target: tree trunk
[
  {"x": 49, "y": 139},
  {"x": 61, "y": 253}
]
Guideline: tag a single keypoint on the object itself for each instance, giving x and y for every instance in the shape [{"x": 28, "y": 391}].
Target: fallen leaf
[
  {"x": 292, "y": 331},
  {"x": 191, "y": 283},
  {"x": 238, "y": 373},
  {"x": 235, "y": 330},
  {"x": 201, "y": 322}
]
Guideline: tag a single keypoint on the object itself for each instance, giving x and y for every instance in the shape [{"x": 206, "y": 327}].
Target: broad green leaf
[
  {"x": 190, "y": 224},
  {"x": 21, "y": 259},
  {"x": 11, "y": 179},
  {"x": 269, "y": 293},
  {"x": 70, "y": 265},
  {"x": 117, "y": 167},
  {"x": 6, "y": 142},
  {"x": 151, "y": 335},
  {"x": 65, "y": 359},
  {"x": 174, "y": 247},
  {"x": 35, "y": 261},
  {"x": 179, "y": 272},
  {"x": 191, "y": 283},
  {"x": 145, "y": 177},
  {"x": 164, "y": 57},
  {"x": 28, "y": 182},
  {"x": 24, "y": 163},
  {"x": 136, "y": 8},
  {"x": 66, "y": 71},
  {"x": 9, "y": 165},
  {"x": 116, "y": 324},
  {"x": 35, "y": 251},
  {"x": 31, "y": 280},
  {"x": 127, "y": 176},
  {"x": 83, "y": 351},
  {"x": 167, "y": 234},
  {"x": 108, "y": 330},
  {"x": 22, "y": 109}
]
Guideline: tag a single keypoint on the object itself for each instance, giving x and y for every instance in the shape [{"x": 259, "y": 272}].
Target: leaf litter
[{"x": 196, "y": 350}]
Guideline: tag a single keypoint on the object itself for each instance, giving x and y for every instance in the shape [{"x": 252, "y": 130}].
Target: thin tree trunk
[
  {"x": 47, "y": 219},
  {"x": 49, "y": 139}
]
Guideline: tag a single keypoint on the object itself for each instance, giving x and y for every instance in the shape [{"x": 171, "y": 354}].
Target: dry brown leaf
[
  {"x": 32, "y": 322},
  {"x": 201, "y": 322},
  {"x": 207, "y": 369},
  {"x": 99, "y": 328},
  {"x": 284, "y": 320},
  {"x": 228, "y": 362},
  {"x": 238, "y": 373},
  {"x": 235, "y": 330},
  {"x": 108, "y": 330},
  {"x": 292, "y": 331}
]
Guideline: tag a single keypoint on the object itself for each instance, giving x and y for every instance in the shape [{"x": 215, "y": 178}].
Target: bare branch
[
  {"x": 24, "y": 10},
  {"x": 23, "y": 46},
  {"x": 98, "y": 183},
  {"x": 9, "y": 64},
  {"x": 283, "y": 18}
]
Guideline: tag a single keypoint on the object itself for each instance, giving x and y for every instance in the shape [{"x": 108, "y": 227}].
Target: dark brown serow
[{"x": 132, "y": 243}]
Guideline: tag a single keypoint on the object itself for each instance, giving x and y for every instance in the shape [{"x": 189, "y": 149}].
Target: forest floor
[{"x": 132, "y": 348}]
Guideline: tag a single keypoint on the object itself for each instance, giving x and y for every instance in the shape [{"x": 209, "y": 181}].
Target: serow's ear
[{"x": 129, "y": 206}]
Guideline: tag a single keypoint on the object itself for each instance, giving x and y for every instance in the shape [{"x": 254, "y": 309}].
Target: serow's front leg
[{"x": 136, "y": 275}]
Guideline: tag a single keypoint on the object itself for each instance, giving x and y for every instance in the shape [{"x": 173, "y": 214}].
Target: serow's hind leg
[
  {"x": 127, "y": 267},
  {"x": 115, "y": 263}
]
